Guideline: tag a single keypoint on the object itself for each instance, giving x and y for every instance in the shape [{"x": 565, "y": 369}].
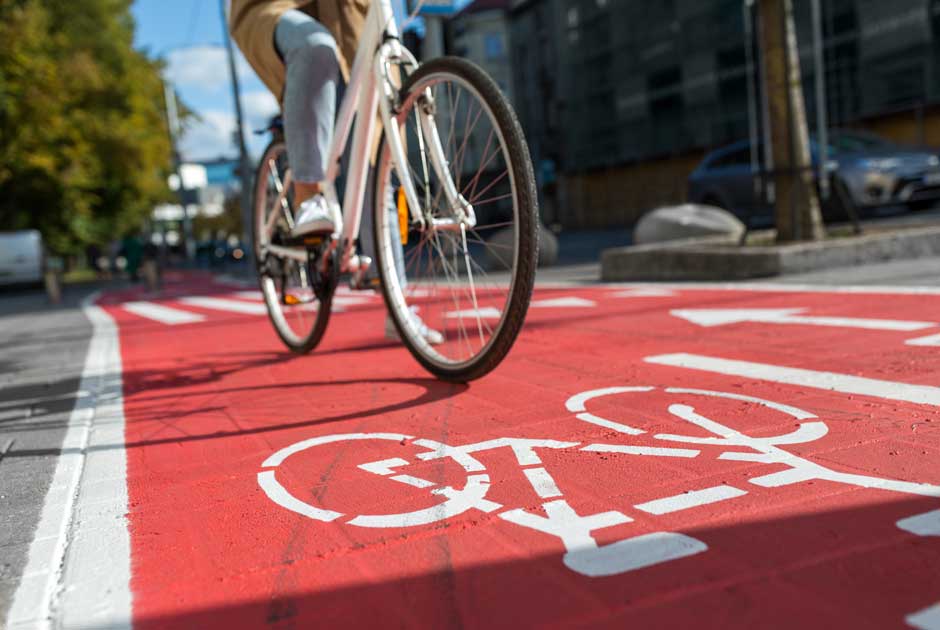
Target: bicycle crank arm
[{"x": 294, "y": 253}]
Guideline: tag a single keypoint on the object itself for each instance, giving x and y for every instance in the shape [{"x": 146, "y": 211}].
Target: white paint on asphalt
[
  {"x": 927, "y": 524},
  {"x": 413, "y": 481},
  {"x": 385, "y": 466},
  {"x": 78, "y": 566},
  {"x": 542, "y": 482},
  {"x": 563, "y": 302},
  {"x": 797, "y": 413},
  {"x": 632, "y": 554},
  {"x": 926, "y": 619},
  {"x": 224, "y": 304},
  {"x": 655, "y": 451},
  {"x": 577, "y": 403},
  {"x": 930, "y": 340},
  {"x": 687, "y": 500},
  {"x": 642, "y": 292},
  {"x": 277, "y": 493},
  {"x": 161, "y": 313},
  {"x": 708, "y": 317},
  {"x": 762, "y": 287},
  {"x": 831, "y": 381},
  {"x": 487, "y": 312}
]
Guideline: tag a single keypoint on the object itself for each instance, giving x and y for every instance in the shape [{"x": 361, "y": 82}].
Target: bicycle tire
[
  {"x": 525, "y": 201},
  {"x": 297, "y": 343}
]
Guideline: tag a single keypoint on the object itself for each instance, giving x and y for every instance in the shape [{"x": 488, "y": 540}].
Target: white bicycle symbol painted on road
[{"x": 583, "y": 554}]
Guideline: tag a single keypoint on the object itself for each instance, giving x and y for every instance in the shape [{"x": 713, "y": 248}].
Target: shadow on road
[{"x": 847, "y": 567}]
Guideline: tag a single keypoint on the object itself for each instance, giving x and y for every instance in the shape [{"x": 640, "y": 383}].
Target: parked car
[
  {"x": 22, "y": 257},
  {"x": 869, "y": 171}
]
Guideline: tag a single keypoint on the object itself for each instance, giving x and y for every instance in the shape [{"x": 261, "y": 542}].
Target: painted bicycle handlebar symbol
[{"x": 583, "y": 554}]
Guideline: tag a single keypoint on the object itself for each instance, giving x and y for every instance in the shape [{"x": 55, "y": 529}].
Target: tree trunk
[{"x": 797, "y": 211}]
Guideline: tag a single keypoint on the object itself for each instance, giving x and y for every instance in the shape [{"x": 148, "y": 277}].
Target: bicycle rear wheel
[
  {"x": 287, "y": 284},
  {"x": 470, "y": 283}
]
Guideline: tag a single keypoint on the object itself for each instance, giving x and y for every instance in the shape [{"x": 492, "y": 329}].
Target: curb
[{"x": 719, "y": 258}]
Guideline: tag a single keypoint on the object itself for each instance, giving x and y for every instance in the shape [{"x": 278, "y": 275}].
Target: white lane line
[
  {"x": 162, "y": 314},
  {"x": 641, "y": 450},
  {"x": 643, "y": 292},
  {"x": 413, "y": 481},
  {"x": 692, "y": 499},
  {"x": 831, "y": 381},
  {"x": 757, "y": 287},
  {"x": 355, "y": 300},
  {"x": 338, "y": 300},
  {"x": 926, "y": 619},
  {"x": 542, "y": 482},
  {"x": 487, "y": 312},
  {"x": 930, "y": 340},
  {"x": 78, "y": 567},
  {"x": 563, "y": 302},
  {"x": 223, "y": 304},
  {"x": 927, "y": 524}
]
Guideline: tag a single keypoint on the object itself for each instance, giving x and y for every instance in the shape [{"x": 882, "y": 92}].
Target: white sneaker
[
  {"x": 314, "y": 217},
  {"x": 430, "y": 335}
]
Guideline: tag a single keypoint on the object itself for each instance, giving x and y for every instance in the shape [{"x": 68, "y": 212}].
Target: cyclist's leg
[{"x": 309, "y": 52}]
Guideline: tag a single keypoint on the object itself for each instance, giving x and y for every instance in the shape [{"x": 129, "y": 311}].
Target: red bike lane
[{"x": 673, "y": 457}]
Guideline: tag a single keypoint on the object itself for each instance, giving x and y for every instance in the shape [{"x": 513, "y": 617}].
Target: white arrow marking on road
[
  {"x": 832, "y": 381},
  {"x": 719, "y": 317},
  {"x": 563, "y": 302}
]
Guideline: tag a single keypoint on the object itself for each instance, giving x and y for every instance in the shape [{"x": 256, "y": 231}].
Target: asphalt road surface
[{"x": 648, "y": 456}]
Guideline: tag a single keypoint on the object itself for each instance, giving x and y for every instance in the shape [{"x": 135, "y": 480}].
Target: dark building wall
[{"x": 632, "y": 93}]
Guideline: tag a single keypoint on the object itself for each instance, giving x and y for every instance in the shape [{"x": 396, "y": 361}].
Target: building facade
[{"x": 622, "y": 97}]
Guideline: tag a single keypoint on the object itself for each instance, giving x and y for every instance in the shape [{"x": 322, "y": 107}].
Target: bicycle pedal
[{"x": 365, "y": 284}]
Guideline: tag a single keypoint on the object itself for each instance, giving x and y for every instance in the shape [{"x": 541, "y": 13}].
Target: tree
[
  {"x": 798, "y": 216},
  {"x": 84, "y": 151}
]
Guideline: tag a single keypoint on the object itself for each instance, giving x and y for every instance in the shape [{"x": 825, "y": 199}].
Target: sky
[{"x": 188, "y": 35}]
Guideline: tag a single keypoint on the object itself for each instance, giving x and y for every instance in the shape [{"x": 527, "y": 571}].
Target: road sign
[{"x": 440, "y": 8}]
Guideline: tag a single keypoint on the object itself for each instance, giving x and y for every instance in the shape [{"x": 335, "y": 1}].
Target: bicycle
[{"x": 455, "y": 210}]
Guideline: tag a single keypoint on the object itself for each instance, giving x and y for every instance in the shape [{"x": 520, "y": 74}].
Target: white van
[{"x": 21, "y": 257}]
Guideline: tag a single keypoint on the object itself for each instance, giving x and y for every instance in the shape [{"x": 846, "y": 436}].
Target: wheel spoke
[{"x": 453, "y": 276}]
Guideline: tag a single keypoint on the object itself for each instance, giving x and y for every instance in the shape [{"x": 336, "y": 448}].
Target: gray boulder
[
  {"x": 685, "y": 221},
  {"x": 501, "y": 241}
]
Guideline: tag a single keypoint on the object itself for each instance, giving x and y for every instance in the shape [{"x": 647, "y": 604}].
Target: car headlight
[
  {"x": 881, "y": 164},
  {"x": 933, "y": 161}
]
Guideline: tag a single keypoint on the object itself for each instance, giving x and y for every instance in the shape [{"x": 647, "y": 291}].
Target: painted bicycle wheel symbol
[{"x": 576, "y": 531}]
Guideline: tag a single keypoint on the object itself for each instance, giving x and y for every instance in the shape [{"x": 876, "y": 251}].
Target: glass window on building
[{"x": 493, "y": 46}]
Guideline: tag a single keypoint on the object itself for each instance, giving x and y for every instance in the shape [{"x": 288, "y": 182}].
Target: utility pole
[
  {"x": 797, "y": 211},
  {"x": 172, "y": 122},
  {"x": 244, "y": 162}
]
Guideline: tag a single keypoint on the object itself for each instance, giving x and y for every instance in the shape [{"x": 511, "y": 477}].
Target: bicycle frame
[{"x": 371, "y": 88}]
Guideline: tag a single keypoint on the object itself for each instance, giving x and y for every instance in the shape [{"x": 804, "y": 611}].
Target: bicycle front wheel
[{"x": 458, "y": 290}]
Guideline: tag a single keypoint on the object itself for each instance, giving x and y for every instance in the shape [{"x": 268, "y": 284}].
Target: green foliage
[{"x": 84, "y": 149}]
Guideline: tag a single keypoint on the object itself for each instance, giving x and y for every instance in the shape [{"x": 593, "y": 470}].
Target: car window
[
  {"x": 857, "y": 142},
  {"x": 738, "y": 157}
]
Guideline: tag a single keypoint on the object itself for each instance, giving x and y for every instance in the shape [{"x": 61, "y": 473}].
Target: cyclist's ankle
[{"x": 304, "y": 191}]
